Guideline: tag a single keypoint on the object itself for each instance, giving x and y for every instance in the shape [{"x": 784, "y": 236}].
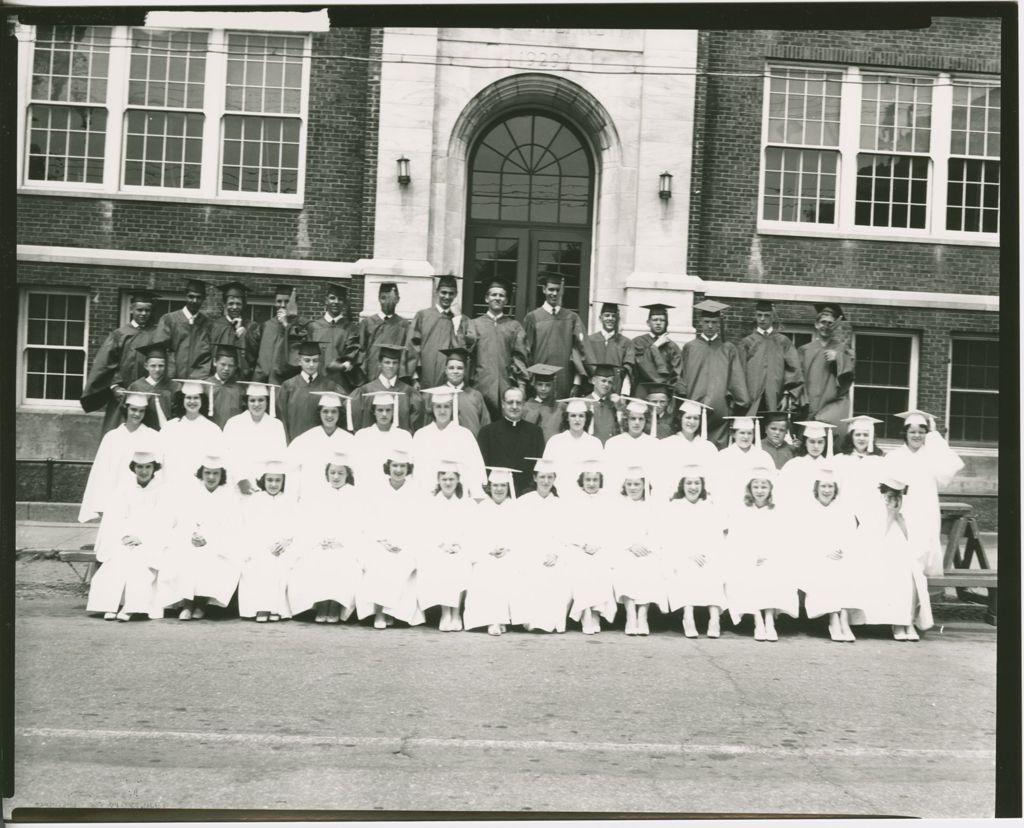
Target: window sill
[
  {"x": 56, "y": 408},
  {"x": 221, "y": 201},
  {"x": 808, "y": 231}
]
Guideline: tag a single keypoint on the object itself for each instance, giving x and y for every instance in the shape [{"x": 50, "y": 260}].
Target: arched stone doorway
[{"x": 529, "y": 211}]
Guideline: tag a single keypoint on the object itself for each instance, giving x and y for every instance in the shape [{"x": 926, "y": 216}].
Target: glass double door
[{"x": 520, "y": 257}]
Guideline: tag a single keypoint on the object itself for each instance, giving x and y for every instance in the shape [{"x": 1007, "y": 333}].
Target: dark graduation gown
[
  {"x": 228, "y": 400},
  {"x": 655, "y": 365},
  {"x": 605, "y": 423},
  {"x": 410, "y": 405},
  {"x": 189, "y": 355},
  {"x": 827, "y": 384},
  {"x": 116, "y": 363},
  {"x": 499, "y": 357},
  {"x": 270, "y": 346},
  {"x": 376, "y": 330},
  {"x": 222, "y": 332},
  {"x": 507, "y": 444},
  {"x": 339, "y": 342},
  {"x": 772, "y": 365},
  {"x": 781, "y": 455},
  {"x": 547, "y": 414},
  {"x": 166, "y": 389},
  {"x": 712, "y": 373},
  {"x": 430, "y": 333},
  {"x": 298, "y": 408},
  {"x": 473, "y": 413},
  {"x": 556, "y": 339},
  {"x": 617, "y": 351}
]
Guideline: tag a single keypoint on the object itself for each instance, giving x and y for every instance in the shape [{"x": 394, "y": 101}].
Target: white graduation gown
[
  {"x": 728, "y": 478},
  {"x": 674, "y": 453},
  {"x": 830, "y": 585},
  {"x": 795, "y": 488},
  {"x": 642, "y": 578},
  {"x": 590, "y": 573},
  {"x": 249, "y": 444},
  {"x": 444, "y": 554},
  {"x": 546, "y": 593},
  {"x": 128, "y": 574},
  {"x": 211, "y": 570},
  {"x": 494, "y": 582},
  {"x": 899, "y": 589},
  {"x": 691, "y": 530},
  {"x": 309, "y": 454},
  {"x": 569, "y": 453},
  {"x": 267, "y": 521},
  {"x": 859, "y": 476},
  {"x": 327, "y": 564},
  {"x": 370, "y": 448},
  {"x": 184, "y": 443},
  {"x": 754, "y": 534},
  {"x": 623, "y": 451},
  {"x": 924, "y": 471},
  {"x": 110, "y": 474},
  {"x": 431, "y": 445}
]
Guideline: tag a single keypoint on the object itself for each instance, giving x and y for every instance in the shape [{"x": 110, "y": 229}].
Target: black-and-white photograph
[{"x": 517, "y": 419}]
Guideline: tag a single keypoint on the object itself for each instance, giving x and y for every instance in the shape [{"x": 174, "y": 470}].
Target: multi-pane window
[
  {"x": 193, "y": 113},
  {"x": 880, "y": 154},
  {"x": 885, "y": 378},
  {"x": 974, "y": 390},
  {"x": 494, "y": 258},
  {"x": 54, "y": 346}
]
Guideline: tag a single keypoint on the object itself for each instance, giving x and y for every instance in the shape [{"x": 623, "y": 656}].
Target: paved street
[{"x": 229, "y": 714}]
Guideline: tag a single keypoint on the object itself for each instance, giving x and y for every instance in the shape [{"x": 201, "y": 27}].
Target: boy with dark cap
[
  {"x": 117, "y": 363},
  {"x": 297, "y": 405},
  {"x": 187, "y": 334},
  {"x": 609, "y": 347},
  {"x": 410, "y": 403},
  {"x": 434, "y": 330},
  {"x": 338, "y": 338},
  {"x": 658, "y": 358},
  {"x": 712, "y": 372},
  {"x": 157, "y": 384},
  {"x": 660, "y": 398},
  {"x": 472, "y": 409},
  {"x": 543, "y": 409},
  {"x": 606, "y": 421},
  {"x": 771, "y": 363},
  {"x": 498, "y": 345},
  {"x": 272, "y": 342},
  {"x": 230, "y": 329},
  {"x": 775, "y": 425},
  {"x": 554, "y": 336},
  {"x": 228, "y": 394},
  {"x": 383, "y": 328},
  {"x": 828, "y": 365}
]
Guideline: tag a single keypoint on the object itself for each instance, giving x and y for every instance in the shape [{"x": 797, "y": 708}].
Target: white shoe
[
  {"x": 714, "y": 628},
  {"x": 912, "y": 634},
  {"x": 198, "y": 613},
  {"x": 185, "y": 615},
  {"x": 109, "y": 616},
  {"x": 771, "y": 635},
  {"x": 759, "y": 634},
  {"x": 898, "y": 634},
  {"x": 494, "y": 629},
  {"x": 124, "y": 616}
]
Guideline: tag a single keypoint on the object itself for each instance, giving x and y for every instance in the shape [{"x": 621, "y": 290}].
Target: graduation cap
[
  {"x": 443, "y": 394},
  {"x": 635, "y": 471},
  {"x": 144, "y": 456},
  {"x": 709, "y": 307},
  {"x": 283, "y": 290},
  {"x": 236, "y": 288},
  {"x": 638, "y": 406},
  {"x": 387, "y": 351},
  {"x": 815, "y": 429},
  {"x": 594, "y": 466},
  {"x": 499, "y": 283},
  {"x": 764, "y": 305},
  {"x": 197, "y": 285},
  {"x": 746, "y": 423},
  {"x": 657, "y": 307},
  {"x": 695, "y": 407},
  {"x": 224, "y": 349},
  {"x": 658, "y": 388},
  {"x": 446, "y": 464},
  {"x": 153, "y": 349},
  {"x": 339, "y": 458},
  {"x": 447, "y": 280},
  {"x": 866, "y": 423},
  {"x": 337, "y": 288},
  {"x": 398, "y": 454},
  {"x": 769, "y": 417},
  {"x": 261, "y": 389},
  {"x": 503, "y": 474},
  {"x": 826, "y": 474},
  {"x": 543, "y": 465},
  {"x": 309, "y": 348},
  {"x": 332, "y": 399},
  {"x": 385, "y": 398},
  {"x": 762, "y": 473},
  {"x": 894, "y": 482},
  {"x": 603, "y": 369},
  {"x": 142, "y": 295},
  {"x": 460, "y": 354},
  {"x": 387, "y": 287},
  {"x": 139, "y": 399},
  {"x": 552, "y": 277},
  {"x": 693, "y": 470},
  {"x": 576, "y": 405},
  {"x": 543, "y": 372},
  {"x": 276, "y": 466},
  {"x": 916, "y": 417},
  {"x": 195, "y": 388},
  {"x": 610, "y": 307},
  {"x": 832, "y": 308},
  {"x": 212, "y": 460}
]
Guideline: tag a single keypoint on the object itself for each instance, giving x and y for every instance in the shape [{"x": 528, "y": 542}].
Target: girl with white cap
[
  {"x": 638, "y": 572},
  {"x": 924, "y": 462},
  {"x": 688, "y": 446},
  {"x": 590, "y": 564},
  {"x": 728, "y": 474},
  {"x": 859, "y": 465},
  {"x": 443, "y": 562},
  {"x": 130, "y": 546},
  {"x": 308, "y": 452},
  {"x": 633, "y": 447},
  {"x": 254, "y": 436},
  {"x": 896, "y": 558},
  {"x": 390, "y": 539},
  {"x": 494, "y": 550},
  {"x": 759, "y": 579},
  {"x": 185, "y": 440},
  {"x": 269, "y": 524},
  {"x": 831, "y": 571},
  {"x": 574, "y": 445},
  {"x": 327, "y": 569},
  {"x": 207, "y": 544},
  {"x": 109, "y": 473},
  {"x": 443, "y": 437},
  {"x": 796, "y": 480},
  {"x": 694, "y": 543},
  {"x": 542, "y": 601}
]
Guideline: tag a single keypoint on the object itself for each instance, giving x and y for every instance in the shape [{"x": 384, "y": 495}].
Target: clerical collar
[
  {"x": 513, "y": 423},
  {"x": 495, "y": 316},
  {"x": 712, "y": 339},
  {"x": 190, "y": 317},
  {"x": 552, "y": 309},
  {"x": 766, "y": 331},
  {"x": 333, "y": 320}
]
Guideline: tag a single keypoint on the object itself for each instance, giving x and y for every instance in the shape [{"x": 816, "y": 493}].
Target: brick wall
[
  {"x": 340, "y": 175},
  {"x": 724, "y": 243}
]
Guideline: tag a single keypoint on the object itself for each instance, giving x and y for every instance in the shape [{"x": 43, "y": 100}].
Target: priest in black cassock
[{"x": 508, "y": 442}]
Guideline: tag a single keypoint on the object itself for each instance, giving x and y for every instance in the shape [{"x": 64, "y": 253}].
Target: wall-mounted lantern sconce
[
  {"x": 665, "y": 186},
  {"x": 403, "y": 171}
]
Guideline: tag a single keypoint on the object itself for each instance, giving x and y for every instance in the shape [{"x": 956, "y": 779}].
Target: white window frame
[
  {"x": 25, "y": 402},
  {"x": 849, "y": 148},
  {"x": 949, "y": 390},
  {"x": 116, "y": 105},
  {"x": 914, "y": 367}
]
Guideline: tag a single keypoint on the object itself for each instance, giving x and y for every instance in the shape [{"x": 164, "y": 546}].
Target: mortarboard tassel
[
  {"x": 273, "y": 408},
  {"x": 209, "y": 406},
  {"x": 704, "y": 425},
  {"x": 348, "y": 412}
]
